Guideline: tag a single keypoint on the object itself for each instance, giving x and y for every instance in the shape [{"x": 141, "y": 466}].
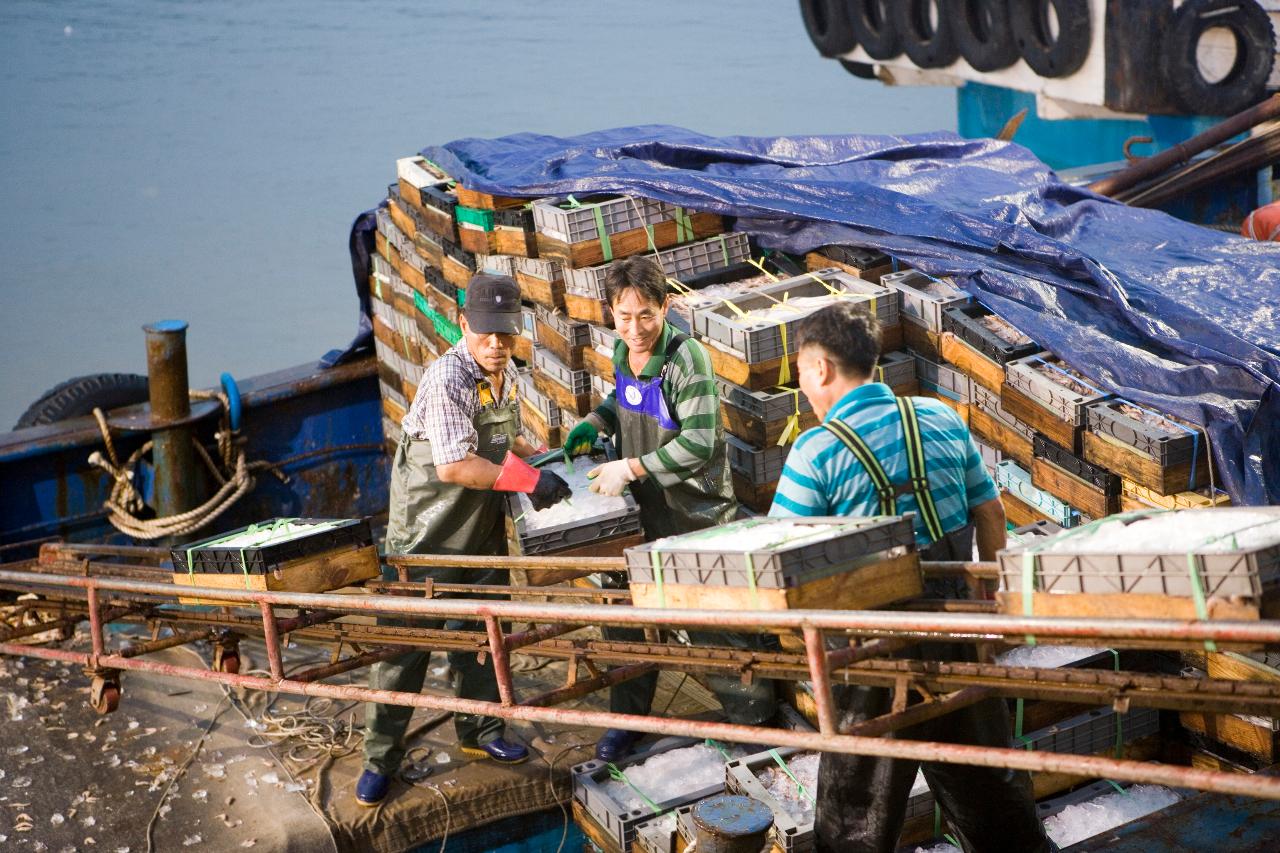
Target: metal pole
[
  {"x": 170, "y": 401},
  {"x": 272, "y": 638},
  {"x": 816, "y": 653}
]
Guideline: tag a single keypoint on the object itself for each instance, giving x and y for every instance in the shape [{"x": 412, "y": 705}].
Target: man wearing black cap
[{"x": 461, "y": 447}]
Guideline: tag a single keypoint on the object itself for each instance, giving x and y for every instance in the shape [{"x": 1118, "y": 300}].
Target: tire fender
[
  {"x": 827, "y": 23},
  {"x": 1245, "y": 84},
  {"x": 1051, "y": 56},
  {"x": 874, "y": 28},
  {"x": 928, "y": 45},
  {"x": 983, "y": 33}
]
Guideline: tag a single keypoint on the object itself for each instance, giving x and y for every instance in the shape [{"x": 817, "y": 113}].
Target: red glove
[{"x": 516, "y": 475}]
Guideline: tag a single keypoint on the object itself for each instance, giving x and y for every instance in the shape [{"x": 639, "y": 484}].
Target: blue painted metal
[
  {"x": 235, "y": 408},
  {"x": 1217, "y": 822},
  {"x": 540, "y": 832}
]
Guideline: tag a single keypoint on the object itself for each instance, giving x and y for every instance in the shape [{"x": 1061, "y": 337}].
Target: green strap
[
  {"x": 1018, "y": 708},
  {"x": 751, "y": 581},
  {"x": 1115, "y": 661},
  {"x": 862, "y": 452},
  {"x": 918, "y": 470},
  {"x": 1117, "y": 787},
  {"x": 655, "y": 560},
  {"x": 1197, "y": 595},
  {"x": 951, "y": 839},
  {"x": 937, "y": 820},
  {"x": 1029, "y": 557},
  {"x": 605, "y": 245},
  {"x": 712, "y": 742},
  {"x": 804, "y": 792},
  {"x": 618, "y": 776},
  {"x": 724, "y": 251}
]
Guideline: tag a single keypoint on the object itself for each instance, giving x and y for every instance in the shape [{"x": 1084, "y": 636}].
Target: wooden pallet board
[
  {"x": 392, "y": 410},
  {"x": 485, "y": 201},
  {"x": 597, "y": 364},
  {"x": 1019, "y": 512},
  {"x": 455, "y": 273},
  {"x": 920, "y": 339},
  {"x": 972, "y": 363},
  {"x": 1070, "y": 489},
  {"x": 559, "y": 347},
  {"x": 1236, "y": 732},
  {"x": 1131, "y": 465},
  {"x": 1042, "y": 420},
  {"x": 515, "y": 241},
  {"x": 548, "y": 294},
  {"x": 323, "y": 572},
  {"x": 1127, "y": 605},
  {"x": 817, "y": 261},
  {"x": 477, "y": 241},
  {"x": 757, "y": 376},
  {"x": 755, "y": 496},
  {"x": 758, "y": 432},
  {"x": 1001, "y": 436},
  {"x": 579, "y": 404},
  {"x": 588, "y": 309},
  {"x": 590, "y": 253}
]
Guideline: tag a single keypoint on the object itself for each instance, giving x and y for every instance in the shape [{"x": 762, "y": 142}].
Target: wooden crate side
[
  {"x": 323, "y": 572},
  {"x": 1045, "y": 422},
  {"x": 1125, "y": 605},
  {"x": 579, "y": 404},
  {"x": 1131, "y": 465},
  {"x": 585, "y": 308},
  {"x": 549, "y": 294},
  {"x": 755, "y": 431},
  {"x": 972, "y": 363},
  {"x": 1068, "y": 488},
  {"x": 920, "y": 339},
  {"x": 560, "y": 348},
  {"x": 757, "y": 376},
  {"x": 590, "y": 253},
  {"x": 1001, "y": 436}
]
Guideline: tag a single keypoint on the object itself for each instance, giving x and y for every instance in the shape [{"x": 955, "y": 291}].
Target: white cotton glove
[{"x": 611, "y": 478}]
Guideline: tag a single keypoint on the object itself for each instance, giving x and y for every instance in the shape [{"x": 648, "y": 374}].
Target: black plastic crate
[
  {"x": 207, "y": 557},
  {"x": 964, "y": 321},
  {"x": 1165, "y": 447},
  {"x": 1094, "y": 475},
  {"x": 440, "y": 197},
  {"x": 459, "y": 254},
  {"x": 514, "y": 217},
  {"x": 855, "y": 256}
]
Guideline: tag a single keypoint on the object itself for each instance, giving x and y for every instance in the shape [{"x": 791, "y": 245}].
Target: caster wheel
[{"x": 104, "y": 696}]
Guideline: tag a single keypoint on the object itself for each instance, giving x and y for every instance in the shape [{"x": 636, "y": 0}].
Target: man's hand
[
  {"x": 611, "y": 478},
  {"x": 550, "y": 490},
  {"x": 581, "y": 439}
]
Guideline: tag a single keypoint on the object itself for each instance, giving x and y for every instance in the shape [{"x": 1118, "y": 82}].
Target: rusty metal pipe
[
  {"x": 320, "y": 673},
  {"x": 816, "y": 653},
  {"x": 536, "y": 635},
  {"x": 305, "y": 620},
  {"x": 914, "y": 714},
  {"x": 272, "y": 639},
  {"x": 501, "y": 661},
  {"x": 1256, "y": 786},
  {"x": 95, "y": 624},
  {"x": 856, "y": 654},
  {"x": 134, "y": 650},
  {"x": 616, "y": 675},
  {"x": 175, "y": 489}
]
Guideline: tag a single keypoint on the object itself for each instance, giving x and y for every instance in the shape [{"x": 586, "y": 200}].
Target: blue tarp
[{"x": 1170, "y": 315}]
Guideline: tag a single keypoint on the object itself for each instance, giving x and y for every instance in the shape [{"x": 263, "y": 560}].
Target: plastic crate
[
  {"x": 965, "y": 322},
  {"x": 590, "y": 778},
  {"x": 989, "y": 402},
  {"x": 1047, "y": 390},
  {"x": 575, "y": 332},
  {"x": 476, "y": 218},
  {"x": 602, "y": 337},
  {"x": 208, "y": 556},
  {"x": 943, "y": 380},
  {"x": 439, "y": 197},
  {"x": 1037, "y": 531},
  {"x": 1092, "y": 474},
  {"x": 391, "y": 431},
  {"x": 529, "y": 393},
  {"x": 924, "y": 297},
  {"x": 1166, "y": 448},
  {"x": 603, "y": 387},
  {"x": 886, "y": 301},
  {"x": 516, "y": 218},
  {"x": 529, "y": 328},
  {"x": 1017, "y": 481},
  {"x": 655, "y": 835},
  {"x": 742, "y": 777},
  {"x": 544, "y": 362},
  {"x": 991, "y": 457},
  {"x": 723, "y": 251},
  {"x": 500, "y": 264},
  {"x": 782, "y": 566},
  {"x": 764, "y": 339},
  {"x": 546, "y": 540},
  {"x": 771, "y": 405},
  {"x": 540, "y": 268},
  {"x": 895, "y": 368},
  {"x": 1244, "y": 573},
  {"x": 418, "y": 171},
  {"x": 757, "y": 465},
  {"x": 460, "y": 255},
  {"x": 1094, "y": 731},
  {"x": 855, "y": 256},
  {"x": 393, "y": 393},
  {"x": 569, "y": 223}
]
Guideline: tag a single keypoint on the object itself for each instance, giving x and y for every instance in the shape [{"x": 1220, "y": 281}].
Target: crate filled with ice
[{"x": 586, "y": 517}]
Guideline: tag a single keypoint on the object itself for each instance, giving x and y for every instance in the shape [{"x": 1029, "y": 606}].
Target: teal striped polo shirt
[{"x": 822, "y": 477}]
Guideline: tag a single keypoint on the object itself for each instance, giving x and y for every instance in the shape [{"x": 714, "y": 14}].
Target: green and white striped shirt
[{"x": 689, "y": 385}]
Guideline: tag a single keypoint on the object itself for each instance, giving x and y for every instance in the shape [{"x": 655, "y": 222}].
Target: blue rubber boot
[
  {"x": 616, "y": 744},
  {"x": 499, "y": 749},
  {"x": 372, "y": 788}
]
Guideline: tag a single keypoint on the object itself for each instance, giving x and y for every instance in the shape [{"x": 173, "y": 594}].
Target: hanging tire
[
  {"x": 1047, "y": 54},
  {"x": 865, "y": 70},
  {"x": 983, "y": 33},
  {"x": 81, "y": 395},
  {"x": 1245, "y": 84},
  {"x": 927, "y": 44},
  {"x": 827, "y": 22},
  {"x": 874, "y": 28}
]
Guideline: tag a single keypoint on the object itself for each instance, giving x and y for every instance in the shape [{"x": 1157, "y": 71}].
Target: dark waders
[
  {"x": 704, "y": 500},
  {"x": 428, "y": 516}
]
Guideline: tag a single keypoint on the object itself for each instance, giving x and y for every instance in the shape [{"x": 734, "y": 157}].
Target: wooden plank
[
  {"x": 1236, "y": 732},
  {"x": 590, "y": 253},
  {"x": 324, "y": 572},
  {"x": 1068, "y": 488},
  {"x": 522, "y": 348},
  {"x": 456, "y": 274},
  {"x": 477, "y": 241},
  {"x": 972, "y": 363},
  {"x": 1132, "y": 465},
  {"x": 594, "y": 832},
  {"x": 756, "y": 496},
  {"x": 1219, "y": 665},
  {"x": 579, "y": 404},
  {"x": 587, "y": 308},
  {"x": 815, "y": 261},
  {"x": 757, "y": 432},
  {"x": 533, "y": 420},
  {"x": 757, "y": 376},
  {"x": 560, "y": 348},
  {"x": 401, "y": 219},
  {"x": 1019, "y": 512},
  {"x": 1001, "y": 436},
  {"x": 549, "y": 294},
  {"x": 597, "y": 364},
  {"x": 1043, "y": 420},
  {"x": 873, "y": 585},
  {"x": 392, "y": 410},
  {"x": 1126, "y": 605},
  {"x": 920, "y": 339},
  {"x": 515, "y": 241},
  {"x": 891, "y": 337},
  {"x": 485, "y": 201}
]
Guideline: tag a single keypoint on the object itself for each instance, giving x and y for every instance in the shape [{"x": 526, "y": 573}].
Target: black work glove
[{"x": 550, "y": 490}]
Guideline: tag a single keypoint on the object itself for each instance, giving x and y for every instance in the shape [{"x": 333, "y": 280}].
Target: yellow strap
[
  {"x": 678, "y": 286},
  {"x": 792, "y": 429},
  {"x": 760, "y": 266},
  {"x": 784, "y": 369}
]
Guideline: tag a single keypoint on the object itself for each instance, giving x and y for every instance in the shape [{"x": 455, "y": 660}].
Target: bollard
[
  {"x": 731, "y": 824},
  {"x": 170, "y": 402}
]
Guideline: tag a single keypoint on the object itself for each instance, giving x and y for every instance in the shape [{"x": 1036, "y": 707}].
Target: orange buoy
[{"x": 1263, "y": 223}]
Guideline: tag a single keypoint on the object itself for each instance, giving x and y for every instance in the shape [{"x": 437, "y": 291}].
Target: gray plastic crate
[
  {"x": 757, "y": 465},
  {"x": 576, "y": 333},
  {"x": 1048, "y": 390},
  {"x": 1171, "y": 447},
  {"x": 790, "y": 564},
  {"x": 1094, "y": 475},
  {"x": 742, "y": 777},
  {"x": 656, "y": 835},
  {"x": 965, "y": 322},
  {"x": 989, "y": 402},
  {"x": 772, "y": 405},
  {"x": 679, "y": 263},
  {"x": 587, "y": 282},
  {"x": 559, "y": 537},
  {"x": 760, "y": 340},
  {"x": 1036, "y": 531},
  {"x": 855, "y": 256},
  {"x": 549, "y": 410},
  {"x": 895, "y": 368},
  {"x": 500, "y": 264},
  {"x": 560, "y": 220},
  {"x": 603, "y": 387},
  {"x": 990, "y": 456},
  {"x": 602, "y": 337},
  {"x": 944, "y": 380},
  {"x": 1016, "y": 480},
  {"x": 924, "y": 298},
  {"x": 888, "y": 302},
  {"x": 590, "y": 778},
  {"x": 391, "y": 431},
  {"x": 542, "y": 268},
  {"x": 395, "y": 395},
  {"x": 544, "y": 362},
  {"x": 1244, "y": 573},
  {"x": 1094, "y": 731},
  {"x": 529, "y": 328}
]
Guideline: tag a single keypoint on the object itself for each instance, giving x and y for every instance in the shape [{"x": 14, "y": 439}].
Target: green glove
[{"x": 581, "y": 439}]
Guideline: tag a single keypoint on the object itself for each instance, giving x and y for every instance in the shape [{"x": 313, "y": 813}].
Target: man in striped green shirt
[{"x": 664, "y": 415}]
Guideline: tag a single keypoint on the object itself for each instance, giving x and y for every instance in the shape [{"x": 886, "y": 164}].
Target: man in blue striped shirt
[{"x": 874, "y": 454}]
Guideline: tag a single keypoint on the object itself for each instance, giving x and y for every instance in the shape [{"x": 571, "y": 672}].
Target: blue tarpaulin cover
[{"x": 1170, "y": 315}]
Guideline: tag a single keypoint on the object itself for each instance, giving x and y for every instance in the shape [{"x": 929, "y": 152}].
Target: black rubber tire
[
  {"x": 827, "y": 23},
  {"x": 1048, "y": 56},
  {"x": 874, "y": 28},
  {"x": 865, "y": 70},
  {"x": 983, "y": 33},
  {"x": 81, "y": 395},
  {"x": 926, "y": 45},
  {"x": 1246, "y": 83}
]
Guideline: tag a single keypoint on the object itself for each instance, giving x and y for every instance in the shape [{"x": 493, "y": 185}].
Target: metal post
[
  {"x": 170, "y": 401},
  {"x": 816, "y": 652},
  {"x": 501, "y": 666},
  {"x": 272, "y": 638}
]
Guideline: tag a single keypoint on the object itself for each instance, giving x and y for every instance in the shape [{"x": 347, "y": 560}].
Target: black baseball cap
[{"x": 493, "y": 304}]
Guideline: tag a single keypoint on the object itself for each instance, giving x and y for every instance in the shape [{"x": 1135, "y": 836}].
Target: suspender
[
  {"x": 677, "y": 339},
  {"x": 886, "y": 491}
]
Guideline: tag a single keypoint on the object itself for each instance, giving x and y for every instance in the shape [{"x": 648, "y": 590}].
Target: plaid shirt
[{"x": 447, "y": 401}]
